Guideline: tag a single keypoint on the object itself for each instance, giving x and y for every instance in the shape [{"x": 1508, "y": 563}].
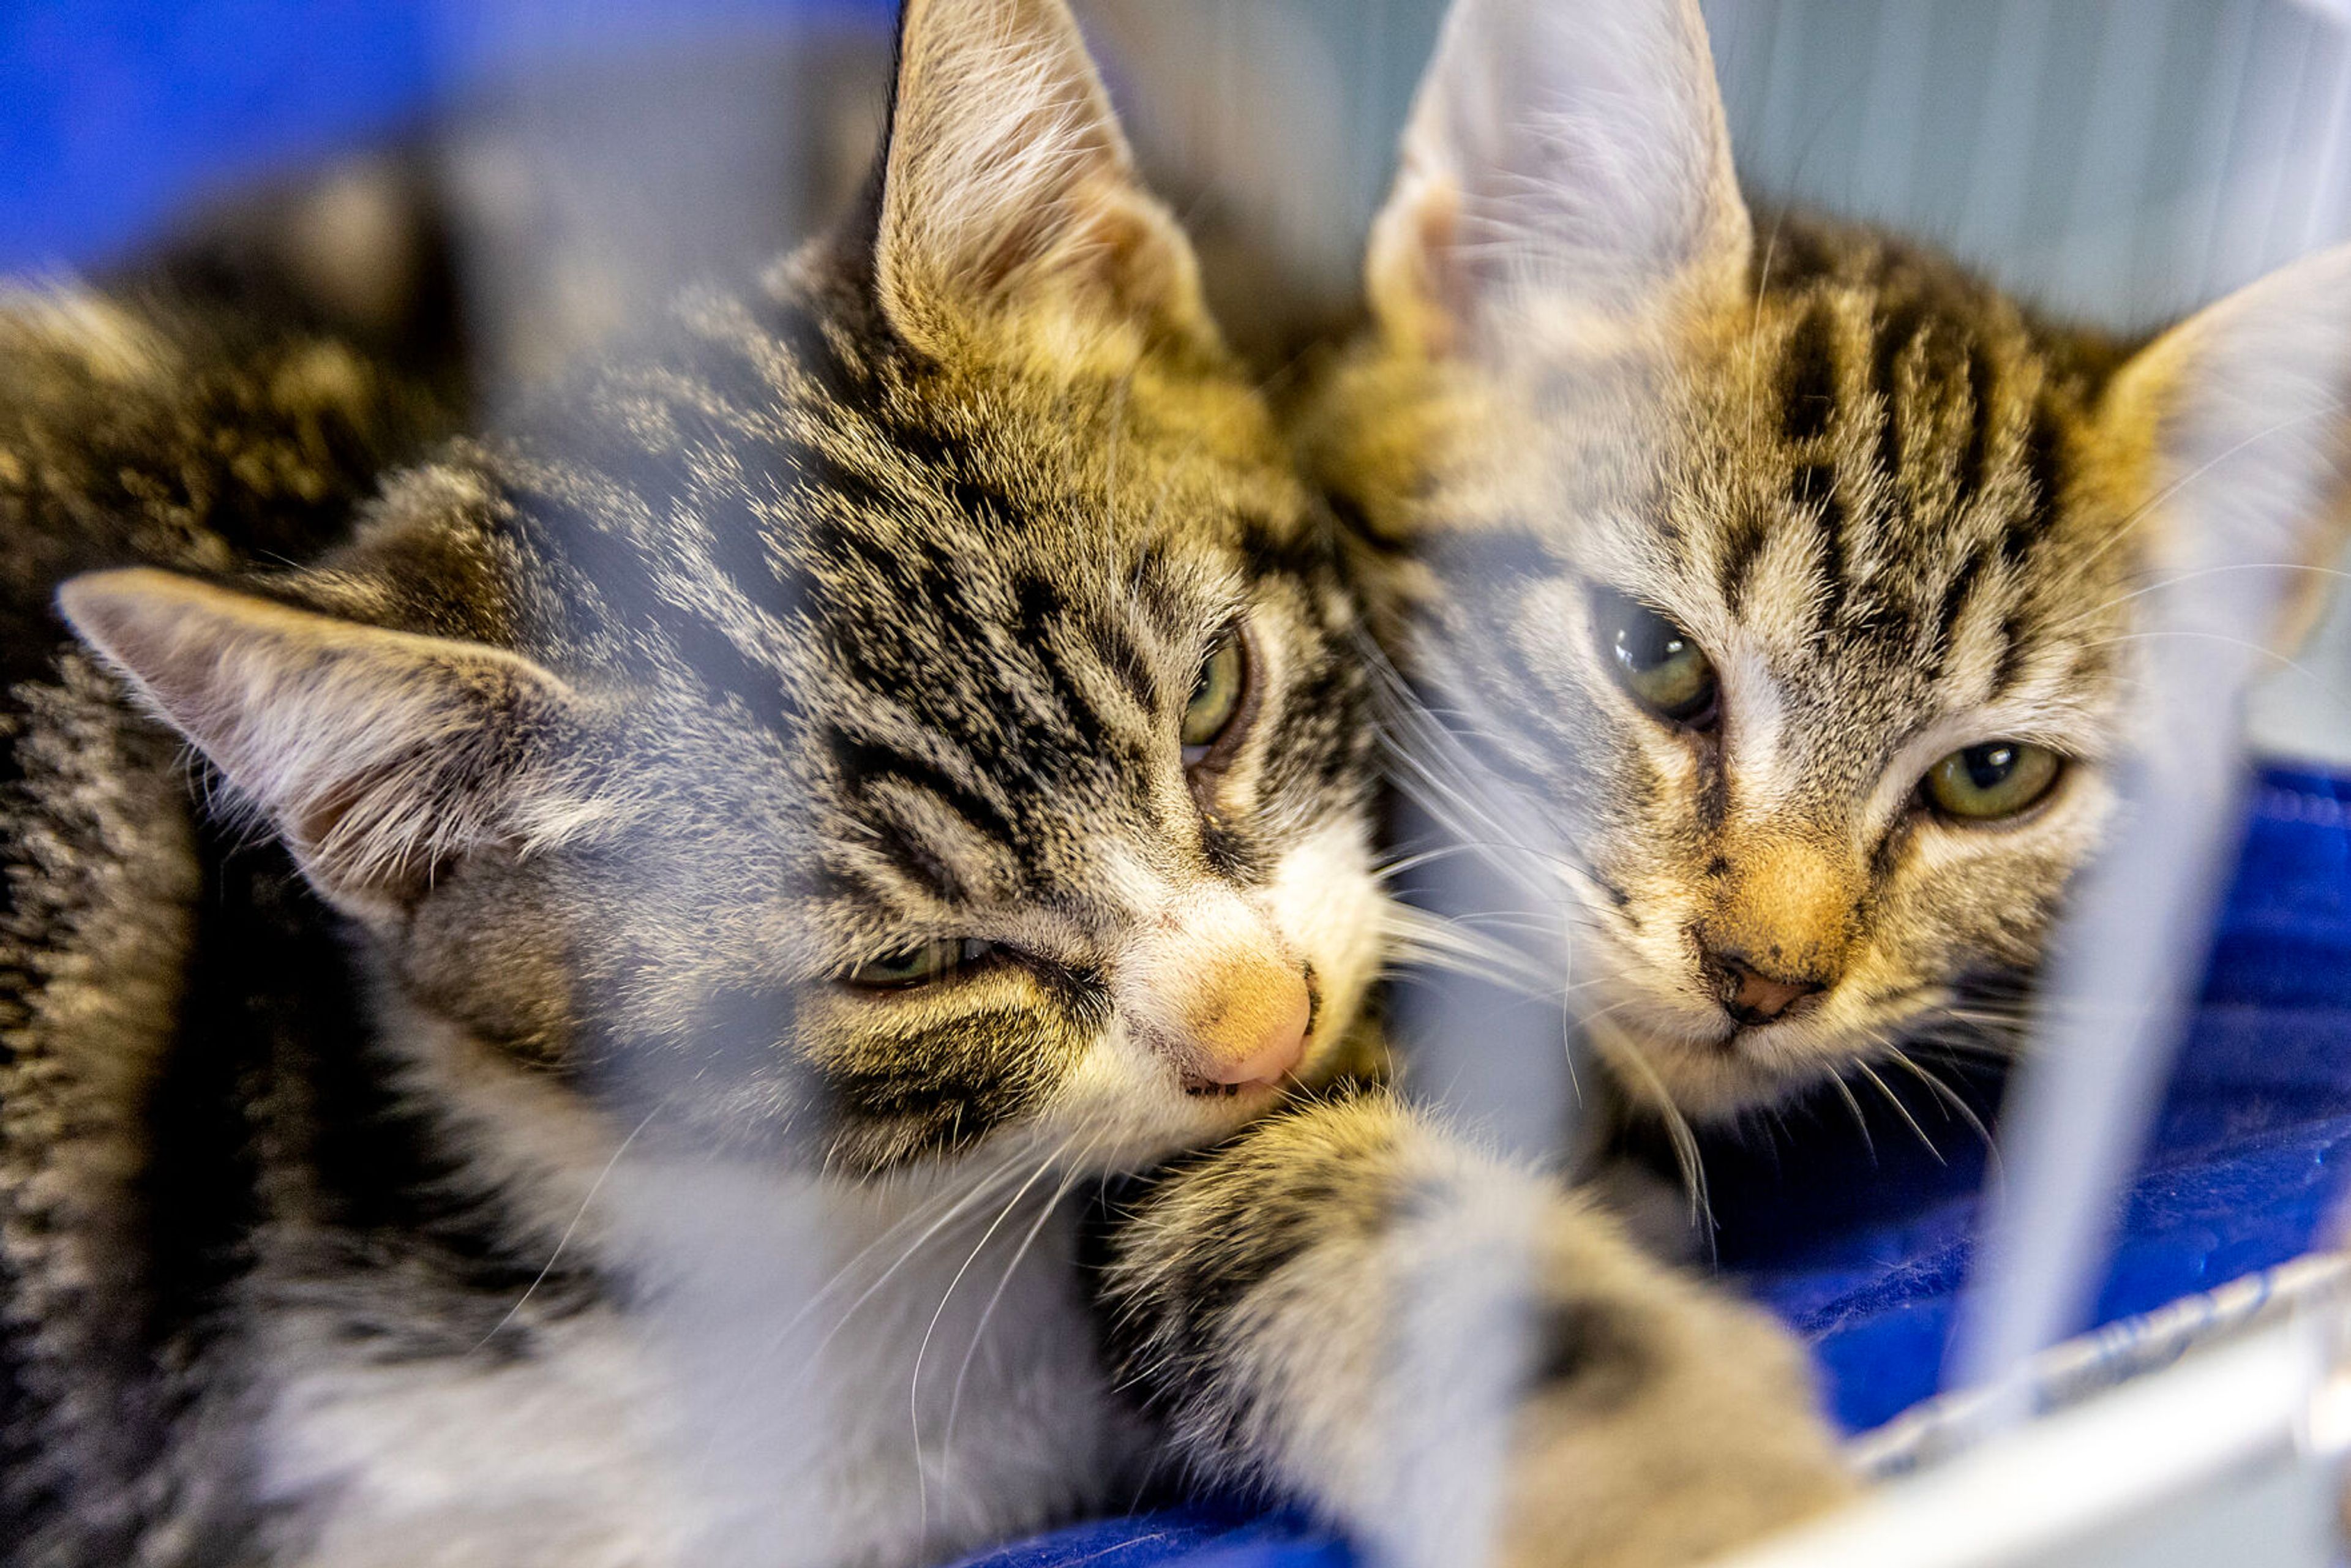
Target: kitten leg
[
  {"x": 1650, "y": 1208},
  {"x": 1335, "y": 1303}
]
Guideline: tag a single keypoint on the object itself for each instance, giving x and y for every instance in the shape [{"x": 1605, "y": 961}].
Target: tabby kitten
[
  {"x": 1784, "y": 585},
  {"x": 740, "y": 857}
]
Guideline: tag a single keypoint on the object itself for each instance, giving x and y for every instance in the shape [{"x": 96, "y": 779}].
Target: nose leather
[
  {"x": 1752, "y": 997},
  {"x": 1251, "y": 1030}
]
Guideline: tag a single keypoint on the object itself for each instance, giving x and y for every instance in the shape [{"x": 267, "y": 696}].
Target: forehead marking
[
  {"x": 1809, "y": 384},
  {"x": 1755, "y": 754}
]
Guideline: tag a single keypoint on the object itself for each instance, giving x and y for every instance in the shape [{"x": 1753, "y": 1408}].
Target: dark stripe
[
  {"x": 1897, "y": 331},
  {"x": 1813, "y": 485},
  {"x": 812, "y": 469},
  {"x": 1319, "y": 712},
  {"x": 1232, "y": 851},
  {"x": 932, "y": 1094},
  {"x": 1713, "y": 789},
  {"x": 2011, "y": 656},
  {"x": 1954, "y": 604},
  {"x": 2044, "y": 469},
  {"x": 1040, "y": 609},
  {"x": 918, "y": 862},
  {"x": 1747, "y": 541},
  {"x": 1832, "y": 565},
  {"x": 864, "y": 763},
  {"x": 1307, "y": 554},
  {"x": 1591, "y": 1351},
  {"x": 981, "y": 501},
  {"x": 1809, "y": 384},
  {"x": 1040, "y": 605},
  {"x": 1975, "y": 456},
  {"x": 1117, "y": 651}
]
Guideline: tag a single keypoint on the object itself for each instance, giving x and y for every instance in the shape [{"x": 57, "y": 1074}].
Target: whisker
[
  {"x": 565, "y": 1239},
  {"x": 1678, "y": 1133},
  {"x": 1051, "y": 1206},
  {"x": 915, "y": 1378},
  {"x": 1900, "y": 1108},
  {"x": 953, "y": 1205},
  {"x": 1860, "y": 1122},
  {"x": 1947, "y": 1095}
]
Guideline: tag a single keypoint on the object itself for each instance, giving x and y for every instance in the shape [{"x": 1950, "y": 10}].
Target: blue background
[{"x": 115, "y": 115}]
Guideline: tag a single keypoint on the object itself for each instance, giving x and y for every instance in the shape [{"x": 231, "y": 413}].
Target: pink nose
[{"x": 1248, "y": 1032}]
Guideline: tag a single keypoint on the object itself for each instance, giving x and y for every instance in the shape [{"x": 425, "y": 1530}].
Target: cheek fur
[
  {"x": 895, "y": 1080},
  {"x": 1328, "y": 908}
]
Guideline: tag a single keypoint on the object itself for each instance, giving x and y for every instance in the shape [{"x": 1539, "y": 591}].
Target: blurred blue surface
[{"x": 115, "y": 114}]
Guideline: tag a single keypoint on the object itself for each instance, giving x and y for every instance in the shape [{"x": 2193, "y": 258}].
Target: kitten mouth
[{"x": 1205, "y": 1089}]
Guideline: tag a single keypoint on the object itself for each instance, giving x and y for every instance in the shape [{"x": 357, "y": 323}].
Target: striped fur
[
  {"x": 498, "y": 1156},
  {"x": 369, "y": 1185},
  {"x": 1333, "y": 1304},
  {"x": 1899, "y": 514}
]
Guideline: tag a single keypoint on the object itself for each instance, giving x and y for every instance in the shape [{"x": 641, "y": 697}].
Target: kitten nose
[
  {"x": 1246, "y": 1028},
  {"x": 1752, "y": 997}
]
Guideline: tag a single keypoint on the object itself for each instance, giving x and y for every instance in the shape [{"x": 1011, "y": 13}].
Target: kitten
[
  {"x": 739, "y": 857},
  {"x": 1788, "y": 575}
]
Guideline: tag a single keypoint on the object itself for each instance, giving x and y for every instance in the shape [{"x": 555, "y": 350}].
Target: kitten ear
[
  {"x": 1008, "y": 183},
  {"x": 378, "y": 755},
  {"x": 1570, "y": 151},
  {"x": 2239, "y": 419}
]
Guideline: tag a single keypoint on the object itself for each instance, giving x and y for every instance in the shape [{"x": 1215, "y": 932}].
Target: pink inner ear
[
  {"x": 377, "y": 754},
  {"x": 316, "y": 827},
  {"x": 1008, "y": 184}
]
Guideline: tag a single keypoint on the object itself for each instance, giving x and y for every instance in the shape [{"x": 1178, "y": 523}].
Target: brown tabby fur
[
  {"x": 481, "y": 1135},
  {"x": 1899, "y": 514}
]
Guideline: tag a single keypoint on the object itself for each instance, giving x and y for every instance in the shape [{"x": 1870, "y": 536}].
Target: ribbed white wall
[{"x": 2118, "y": 159}]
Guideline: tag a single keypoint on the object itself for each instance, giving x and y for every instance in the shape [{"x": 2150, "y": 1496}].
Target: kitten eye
[
  {"x": 1215, "y": 699},
  {"x": 1998, "y": 779},
  {"x": 1661, "y": 666},
  {"x": 920, "y": 964}
]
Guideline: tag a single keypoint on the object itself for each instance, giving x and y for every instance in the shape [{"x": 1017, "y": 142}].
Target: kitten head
[
  {"x": 1790, "y": 577},
  {"x": 901, "y": 706}
]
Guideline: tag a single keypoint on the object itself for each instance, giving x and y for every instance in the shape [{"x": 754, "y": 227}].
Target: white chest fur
[{"x": 809, "y": 1376}]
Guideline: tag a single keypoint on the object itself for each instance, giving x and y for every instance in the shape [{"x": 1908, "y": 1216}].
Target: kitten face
[
  {"x": 1784, "y": 596},
  {"x": 901, "y": 708},
  {"x": 984, "y": 883},
  {"x": 1786, "y": 584}
]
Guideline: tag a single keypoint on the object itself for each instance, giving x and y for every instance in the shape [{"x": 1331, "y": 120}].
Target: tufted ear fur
[
  {"x": 1567, "y": 152},
  {"x": 2239, "y": 422},
  {"x": 1008, "y": 186},
  {"x": 379, "y": 755}
]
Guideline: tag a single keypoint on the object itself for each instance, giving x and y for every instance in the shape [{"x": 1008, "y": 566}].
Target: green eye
[
  {"x": 1216, "y": 698},
  {"x": 920, "y": 964},
  {"x": 1660, "y": 664},
  {"x": 1998, "y": 779}
]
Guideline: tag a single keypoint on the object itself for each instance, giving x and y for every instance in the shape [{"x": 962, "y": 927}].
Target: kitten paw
[{"x": 1663, "y": 1438}]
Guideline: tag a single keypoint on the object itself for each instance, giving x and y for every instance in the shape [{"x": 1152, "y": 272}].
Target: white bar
[{"x": 2202, "y": 1428}]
